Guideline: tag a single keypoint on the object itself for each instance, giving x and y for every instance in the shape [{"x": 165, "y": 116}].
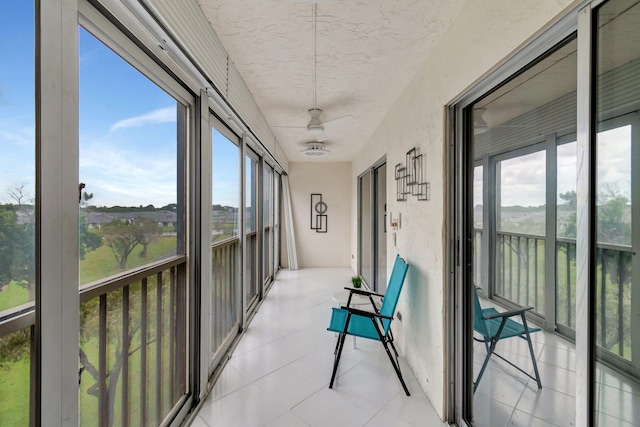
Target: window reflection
[
  {"x": 615, "y": 276},
  {"x": 519, "y": 129}
]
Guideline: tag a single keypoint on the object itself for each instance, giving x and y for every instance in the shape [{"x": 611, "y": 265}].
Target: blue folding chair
[
  {"x": 374, "y": 325},
  {"x": 494, "y": 326}
]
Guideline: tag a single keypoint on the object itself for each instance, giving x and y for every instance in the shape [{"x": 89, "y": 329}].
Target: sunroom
[{"x": 186, "y": 186}]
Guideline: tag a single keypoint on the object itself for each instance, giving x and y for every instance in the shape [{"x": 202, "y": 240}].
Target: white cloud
[
  {"x": 120, "y": 175},
  {"x": 162, "y": 115}
]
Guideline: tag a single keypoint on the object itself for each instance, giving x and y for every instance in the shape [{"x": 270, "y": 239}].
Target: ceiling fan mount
[{"x": 315, "y": 127}]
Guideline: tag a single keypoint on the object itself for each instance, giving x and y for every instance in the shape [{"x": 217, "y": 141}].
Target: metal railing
[
  {"x": 613, "y": 299},
  {"x": 251, "y": 269},
  {"x": 133, "y": 342},
  {"x": 267, "y": 255},
  {"x": 520, "y": 269},
  {"x": 225, "y": 282},
  {"x": 613, "y": 294},
  {"x": 519, "y": 278},
  {"x": 566, "y": 282}
]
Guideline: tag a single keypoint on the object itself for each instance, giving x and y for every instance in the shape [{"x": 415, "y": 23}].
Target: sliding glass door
[
  {"x": 267, "y": 224},
  {"x": 372, "y": 229},
  {"x": 251, "y": 247},
  {"x": 134, "y": 354},
  {"x": 365, "y": 227},
  {"x": 225, "y": 239},
  {"x": 615, "y": 274},
  {"x": 277, "y": 179},
  {"x": 549, "y": 170}
]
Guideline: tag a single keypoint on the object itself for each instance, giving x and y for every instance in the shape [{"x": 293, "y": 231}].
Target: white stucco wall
[
  {"x": 482, "y": 35},
  {"x": 329, "y": 249}
]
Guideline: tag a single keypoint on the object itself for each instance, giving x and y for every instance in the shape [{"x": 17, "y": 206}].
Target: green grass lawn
[
  {"x": 13, "y": 295},
  {"x": 14, "y": 393},
  {"x": 102, "y": 263}
]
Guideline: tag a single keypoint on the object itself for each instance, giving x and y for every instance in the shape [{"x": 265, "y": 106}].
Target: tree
[
  {"x": 614, "y": 224},
  {"x": 570, "y": 204},
  {"x": 122, "y": 237},
  {"x": 148, "y": 231},
  {"x": 89, "y": 241},
  {"x": 613, "y": 213},
  {"x": 15, "y": 346},
  {"x": 19, "y": 194},
  {"x": 23, "y": 240},
  {"x": 7, "y": 235},
  {"x": 24, "y": 253}
]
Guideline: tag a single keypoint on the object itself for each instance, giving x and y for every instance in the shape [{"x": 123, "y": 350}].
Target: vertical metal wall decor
[
  {"x": 319, "y": 220},
  {"x": 410, "y": 177}
]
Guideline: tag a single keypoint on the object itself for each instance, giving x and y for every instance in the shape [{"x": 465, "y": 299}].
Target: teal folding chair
[
  {"x": 373, "y": 325},
  {"x": 494, "y": 326}
]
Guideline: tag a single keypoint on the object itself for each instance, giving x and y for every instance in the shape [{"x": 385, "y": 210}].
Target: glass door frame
[
  {"x": 459, "y": 119},
  {"x": 277, "y": 220},
  {"x": 267, "y": 229},
  {"x": 249, "y": 306},
  {"x": 214, "y": 359},
  {"x": 370, "y": 175},
  {"x": 548, "y": 146},
  {"x": 379, "y": 235},
  {"x": 365, "y": 248}
]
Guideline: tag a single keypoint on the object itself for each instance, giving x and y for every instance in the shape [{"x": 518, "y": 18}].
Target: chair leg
[
  {"x": 396, "y": 364},
  {"x": 490, "y": 349},
  {"x": 337, "y": 354},
  {"x": 533, "y": 356},
  {"x": 335, "y": 351}
]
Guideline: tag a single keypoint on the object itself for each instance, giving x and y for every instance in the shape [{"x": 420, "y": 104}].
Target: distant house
[{"x": 163, "y": 218}]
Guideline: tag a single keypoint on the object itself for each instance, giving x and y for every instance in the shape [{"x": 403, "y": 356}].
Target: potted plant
[{"x": 356, "y": 281}]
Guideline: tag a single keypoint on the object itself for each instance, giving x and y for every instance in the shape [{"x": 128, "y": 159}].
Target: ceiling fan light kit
[{"x": 315, "y": 148}]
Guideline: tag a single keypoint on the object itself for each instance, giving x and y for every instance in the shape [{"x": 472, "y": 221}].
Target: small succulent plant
[{"x": 356, "y": 281}]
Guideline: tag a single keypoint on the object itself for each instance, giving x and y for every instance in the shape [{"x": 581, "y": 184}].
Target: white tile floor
[
  {"x": 279, "y": 373},
  {"x": 506, "y": 397}
]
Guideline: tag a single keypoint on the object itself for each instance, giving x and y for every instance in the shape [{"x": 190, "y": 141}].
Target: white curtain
[{"x": 288, "y": 224}]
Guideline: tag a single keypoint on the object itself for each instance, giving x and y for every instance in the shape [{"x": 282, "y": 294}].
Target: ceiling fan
[{"x": 316, "y": 126}]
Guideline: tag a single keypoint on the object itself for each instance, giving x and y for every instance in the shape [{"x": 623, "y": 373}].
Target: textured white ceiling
[{"x": 366, "y": 54}]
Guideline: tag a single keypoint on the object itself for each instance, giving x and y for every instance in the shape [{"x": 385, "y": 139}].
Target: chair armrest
[
  {"x": 366, "y": 313},
  {"x": 363, "y": 292},
  {"x": 510, "y": 313}
]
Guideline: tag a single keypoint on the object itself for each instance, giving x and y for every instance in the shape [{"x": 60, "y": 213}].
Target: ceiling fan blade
[
  {"x": 288, "y": 127},
  {"x": 339, "y": 121}
]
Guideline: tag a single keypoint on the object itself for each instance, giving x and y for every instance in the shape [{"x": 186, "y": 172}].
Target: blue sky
[
  {"x": 17, "y": 115},
  {"x": 127, "y": 123},
  {"x": 225, "y": 171},
  {"x": 128, "y": 131}
]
